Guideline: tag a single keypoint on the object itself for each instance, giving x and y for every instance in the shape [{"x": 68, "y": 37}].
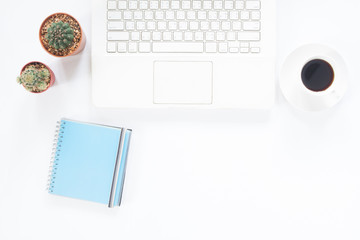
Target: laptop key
[
  {"x": 111, "y": 5},
  {"x": 210, "y": 47},
  {"x": 111, "y": 47},
  {"x": 244, "y": 50},
  {"x": 122, "y": 4},
  {"x": 178, "y": 47},
  {"x": 118, "y": 36},
  {"x": 252, "y": 5},
  {"x": 255, "y": 50},
  {"x": 248, "y": 36},
  {"x": 251, "y": 26},
  {"x": 144, "y": 47},
  {"x": 132, "y": 47},
  {"x": 234, "y": 50},
  {"x": 115, "y": 25},
  {"x": 122, "y": 47},
  {"x": 112, "y": 15}
]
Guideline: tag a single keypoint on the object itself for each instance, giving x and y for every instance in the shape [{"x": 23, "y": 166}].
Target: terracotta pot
[
  {"x": 52, "y": 75},
  {"x": 81, "y": 45}
]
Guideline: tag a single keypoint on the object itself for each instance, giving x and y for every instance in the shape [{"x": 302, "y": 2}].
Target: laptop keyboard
[{"x": 184, "y": 26}]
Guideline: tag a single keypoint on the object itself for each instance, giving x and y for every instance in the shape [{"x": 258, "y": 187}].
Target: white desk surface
[{"x": 283, "y": 174}]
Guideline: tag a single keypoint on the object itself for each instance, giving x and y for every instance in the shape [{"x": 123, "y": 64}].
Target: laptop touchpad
[{"x": 183, "y": 82}]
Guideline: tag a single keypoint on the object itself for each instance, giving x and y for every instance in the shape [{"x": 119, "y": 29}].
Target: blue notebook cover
[{"x": 89, "y": 162}]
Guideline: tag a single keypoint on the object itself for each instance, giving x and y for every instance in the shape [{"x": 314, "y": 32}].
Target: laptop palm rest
[{"x": 183, "y": 82}]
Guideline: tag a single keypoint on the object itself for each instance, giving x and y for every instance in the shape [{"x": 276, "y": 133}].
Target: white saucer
[{"x": 293, "y": 88}]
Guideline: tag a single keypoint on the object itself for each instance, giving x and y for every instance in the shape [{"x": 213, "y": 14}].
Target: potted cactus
[
  {"x": 36, "y": 77},
  {"x": 61, "y": 35}
]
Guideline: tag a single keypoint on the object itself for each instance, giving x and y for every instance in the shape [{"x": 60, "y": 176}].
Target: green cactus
[
  {"x": 34, "y": 79},
  {"x": 60, "y": 35}
]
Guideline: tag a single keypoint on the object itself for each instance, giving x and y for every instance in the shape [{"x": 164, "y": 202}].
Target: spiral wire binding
[{"x": 55, "y": 154}]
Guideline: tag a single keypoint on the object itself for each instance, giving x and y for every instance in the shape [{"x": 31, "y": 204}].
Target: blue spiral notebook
[{"x": 89, "y": 162}]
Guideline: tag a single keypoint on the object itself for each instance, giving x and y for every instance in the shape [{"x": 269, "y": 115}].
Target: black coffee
[{"x": 317, "y": 75}]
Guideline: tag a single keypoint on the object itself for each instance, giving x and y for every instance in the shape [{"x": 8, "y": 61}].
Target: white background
[{"x": 192, "y": 174}]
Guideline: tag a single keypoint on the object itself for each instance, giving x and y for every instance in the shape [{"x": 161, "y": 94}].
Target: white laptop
[{"x": 183, "y": 53}]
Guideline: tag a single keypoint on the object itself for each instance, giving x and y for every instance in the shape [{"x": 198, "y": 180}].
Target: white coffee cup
[{"x": 291, "y": 81}]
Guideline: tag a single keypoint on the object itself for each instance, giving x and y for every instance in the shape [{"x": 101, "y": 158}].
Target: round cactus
[
  {"x": 60, "y": 35},
  {"x": 34, "y": 79}
]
